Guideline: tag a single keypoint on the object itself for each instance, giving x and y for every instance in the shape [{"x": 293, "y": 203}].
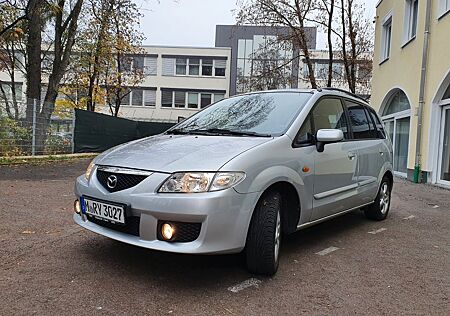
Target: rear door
[{"x": 370, "y": 150}]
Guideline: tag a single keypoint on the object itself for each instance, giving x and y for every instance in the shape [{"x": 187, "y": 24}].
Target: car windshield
[{"x": 259, "y": 114}]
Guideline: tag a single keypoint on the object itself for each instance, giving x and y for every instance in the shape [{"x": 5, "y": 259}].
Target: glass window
[
  {"x": 386, "y": 38},
  {"x": 136, "y": 97},
  {"x": 445, "y": 163},
  {"x": 322, "y": 70},
  {"x": 248, "y": 48},
  {"x": 397, "y": 103},
  {"x": 138, "y": 63},
  {"x": 359, "y": 121},
  {"x": 125, "y": 99},
  {"x": 180, "y": 99},
  {"x": 241, "y": 48},
  {"x": 329, "y": 113},
  {"x": 379, "y": 126},
  {"x": 447, "y": 92},
  {"x": 265, "y": 113},
  {"x": 166, "y": 98},
  {"x": 401, "y": 144},
  {"x": 193, "y": 100},
  {"x": 205, "y": 100},
  {"x": 194, "y": 66},
  {"x": 181, "y": 66},
  {"x": 412, "y": 9},
  {"x": 219, "y": 67},
  {"x": 207, "y": 66},
  {"x": 240, "y": 67},
  {"x": 218, "y": 96},
  {"x": 150, "y": 65},
  {"x": 306, "y": 132},
  {"x": 337, "y": 71},
  {"x": 149, "y": 97}
]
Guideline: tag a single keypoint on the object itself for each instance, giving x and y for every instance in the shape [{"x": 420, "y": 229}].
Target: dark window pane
[
  {"x": 219, "y": 72},
  {"x": 207, "y": 66},
  {"x": 359, "y": 121},
  {"x": 181, "y": 66},
  {"x": 136, "y": 97},
  {"x": 379, "y": 126},
  {"x": 125, "y": 99},
  {"x": 138, "y": 63},
  {"x": 205, "y": 99},
  {"x": 166, "y": 96},
  {"x": 194, "y": 66},
  {"x": 180, "y": 99},
  {"x": 306, "y": 132}
]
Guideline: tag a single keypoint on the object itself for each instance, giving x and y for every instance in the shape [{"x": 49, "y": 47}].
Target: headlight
[
  {"x": 196, "y": 182},
  {"x": 89, "y": 170}
]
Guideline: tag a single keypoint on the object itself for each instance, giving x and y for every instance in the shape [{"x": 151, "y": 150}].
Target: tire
[
  {"x": 379, "y": 209},
  {"x": 264, "y": 235}
]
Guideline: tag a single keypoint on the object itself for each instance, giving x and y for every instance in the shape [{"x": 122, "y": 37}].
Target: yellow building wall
[{"x": 403, "y": 68}]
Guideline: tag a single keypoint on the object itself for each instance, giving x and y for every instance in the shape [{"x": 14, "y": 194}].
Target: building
[
  {"x": 411, "y": 85},
  {"x": 256, "y": 50},
  {"x": 178, "y": 82}
]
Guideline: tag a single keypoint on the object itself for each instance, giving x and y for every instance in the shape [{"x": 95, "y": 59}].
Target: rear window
[{"x": 359, "y": 121}]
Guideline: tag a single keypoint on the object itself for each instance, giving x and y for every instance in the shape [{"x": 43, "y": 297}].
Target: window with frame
[
  {"x": 180, "y": 99},
  {"x": 360, "y": 121},
  {"x": 193, "y": 100},
  {"x": 322, "y": 70},
  {"x": 194, "y": 66},
  {"x": 328, "y": 113},
  {"x": 219, "y": 67},
  {"x": 207, "y": 67},
  {"x": 378, "y": 124},
  {"x": 150, "y": 97},
  {"x": 137, "y": 97},
  {"x": 150, "y": 65},
  {"x": 410, "y": 24},
  {"x": 205, "y": 100},
  {"x": 166, "y": 98},
  {"x": 386, "y": 38},
  {"x": 181, "y": 64}
]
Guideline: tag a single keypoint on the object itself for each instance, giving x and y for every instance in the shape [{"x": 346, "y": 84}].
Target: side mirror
[{"x": 328, "y": 136}]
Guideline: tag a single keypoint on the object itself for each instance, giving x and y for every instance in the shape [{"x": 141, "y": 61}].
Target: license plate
[{"x": 103, "y": 210}]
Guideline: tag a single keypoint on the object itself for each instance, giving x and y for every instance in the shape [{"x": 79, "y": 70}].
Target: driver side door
[{"x": 335, "y": 169}]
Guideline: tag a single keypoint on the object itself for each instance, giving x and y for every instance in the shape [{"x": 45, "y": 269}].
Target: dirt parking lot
[{"x": 350, "y": 265}]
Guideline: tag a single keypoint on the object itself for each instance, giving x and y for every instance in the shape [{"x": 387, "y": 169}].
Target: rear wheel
[
  {"x": 264, "y": 235},
  {"x": 379, "y": 209}
]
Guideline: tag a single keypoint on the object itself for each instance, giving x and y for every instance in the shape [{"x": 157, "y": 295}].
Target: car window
[
  {"x": 380, "y": 129},
  {"x": 359, "y": 121},
  {"x": 264, "y": 113},
  {"x": 328, "y": 113}
]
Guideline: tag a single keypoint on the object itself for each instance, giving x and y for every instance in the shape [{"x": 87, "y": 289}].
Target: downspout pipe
[{"x": 423, "y": 77}]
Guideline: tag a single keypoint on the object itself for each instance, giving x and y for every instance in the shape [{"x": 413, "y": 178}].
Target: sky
[{"x": 193, "y": 22}]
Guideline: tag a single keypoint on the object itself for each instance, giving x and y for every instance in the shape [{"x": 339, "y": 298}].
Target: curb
[{"x": 43, "y": 158}]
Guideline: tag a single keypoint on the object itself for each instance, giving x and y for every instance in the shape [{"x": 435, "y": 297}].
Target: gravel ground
[{"x": 48, "y": 265}]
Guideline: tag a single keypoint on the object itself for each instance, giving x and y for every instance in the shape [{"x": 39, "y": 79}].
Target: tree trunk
[{"x": 330, "y": 43}]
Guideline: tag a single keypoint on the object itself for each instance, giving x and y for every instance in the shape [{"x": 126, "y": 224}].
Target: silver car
[{"x": 240, "y": 174}]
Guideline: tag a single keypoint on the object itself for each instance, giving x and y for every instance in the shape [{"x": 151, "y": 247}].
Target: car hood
[{"x": 171, "y": 153}]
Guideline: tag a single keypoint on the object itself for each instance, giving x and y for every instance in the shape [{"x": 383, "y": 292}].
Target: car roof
[{"x": 323, "y": 91}]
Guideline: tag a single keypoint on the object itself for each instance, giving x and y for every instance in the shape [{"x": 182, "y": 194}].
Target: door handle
[{"x": 351, "y": 155}]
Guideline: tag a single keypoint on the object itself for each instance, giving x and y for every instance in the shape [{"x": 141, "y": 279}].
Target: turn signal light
[
  {"x": 167, "y": 231},
  {"x": 77, "y": 207}
]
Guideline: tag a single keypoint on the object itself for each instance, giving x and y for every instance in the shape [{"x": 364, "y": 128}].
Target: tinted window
[
  {"x": 359, "y": 121},
  {"x": 380, "y": 129},
  {"x": 326, "y": 114},
  {"x": 265, "y": 113}
]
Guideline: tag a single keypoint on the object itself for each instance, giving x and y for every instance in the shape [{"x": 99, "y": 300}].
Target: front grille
[
  {"x": 184, "y": 232},
  {"x": 122, "y": 180},
  {"x": 131, "y": 224}
]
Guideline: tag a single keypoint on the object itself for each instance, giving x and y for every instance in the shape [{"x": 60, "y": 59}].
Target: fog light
[
  {"x": 77, "y": 207},
  {"x": 167, "y": 231}
]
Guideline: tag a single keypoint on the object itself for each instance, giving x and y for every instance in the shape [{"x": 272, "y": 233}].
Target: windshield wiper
[
  {"x": 177, "y": 132},
  {"x": 224, "y": 131}
]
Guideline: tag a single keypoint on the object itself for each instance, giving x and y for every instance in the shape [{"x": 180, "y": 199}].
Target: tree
[
  {"x": 108, "y": 63},
  {"x": 11, "y": 59}
]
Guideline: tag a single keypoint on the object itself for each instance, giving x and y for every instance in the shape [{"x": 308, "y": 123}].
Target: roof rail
[{"x": 344, "y": 91}]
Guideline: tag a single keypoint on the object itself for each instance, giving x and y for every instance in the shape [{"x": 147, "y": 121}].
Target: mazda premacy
[{"x": 240, "y": 174}]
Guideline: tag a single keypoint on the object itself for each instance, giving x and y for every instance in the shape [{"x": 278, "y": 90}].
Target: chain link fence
[{"x": 31, "y": 128}]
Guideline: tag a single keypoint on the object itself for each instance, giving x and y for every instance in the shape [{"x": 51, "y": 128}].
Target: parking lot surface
[{"x": 350, "y": 265}]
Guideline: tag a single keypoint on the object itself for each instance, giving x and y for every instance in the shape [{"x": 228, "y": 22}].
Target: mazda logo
[{"x": 112, "y": 181}]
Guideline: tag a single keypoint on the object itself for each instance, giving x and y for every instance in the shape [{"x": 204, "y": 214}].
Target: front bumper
[{"x": 224, "y": 215}]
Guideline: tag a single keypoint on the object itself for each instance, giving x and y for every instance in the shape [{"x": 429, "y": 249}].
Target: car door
[
  {"x": 335, "y": 169},
  {"x": 371, "y": 150}
]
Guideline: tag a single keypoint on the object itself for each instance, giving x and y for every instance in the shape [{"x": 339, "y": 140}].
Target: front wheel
[
  {"x": 264, "y": 235},
  {"x": 379, "y": 209}
]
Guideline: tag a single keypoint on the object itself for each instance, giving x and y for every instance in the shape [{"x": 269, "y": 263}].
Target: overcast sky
[{"x": 193, "y": 22}]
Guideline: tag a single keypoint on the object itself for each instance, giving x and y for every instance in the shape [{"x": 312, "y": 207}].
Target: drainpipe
[{"x": 423, "y": 75}]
